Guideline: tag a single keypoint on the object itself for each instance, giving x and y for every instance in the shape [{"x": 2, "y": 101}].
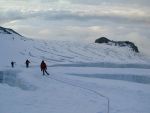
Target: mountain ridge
[{"x": 8, "y": 31}]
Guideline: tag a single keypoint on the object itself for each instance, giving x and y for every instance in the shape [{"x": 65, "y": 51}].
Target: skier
[
  {"x": 44, "y": 67},
  {"x": 12, "y": 64},
  {"x": 27, "y": 63}
]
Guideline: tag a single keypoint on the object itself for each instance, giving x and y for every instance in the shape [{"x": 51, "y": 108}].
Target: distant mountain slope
[
  {"x": 18, "y": 48},
  {"x": 8, "y": 31}
]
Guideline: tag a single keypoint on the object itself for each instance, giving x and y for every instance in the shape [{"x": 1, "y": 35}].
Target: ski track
[
  {"x": 49, "y": 52},
  {"x": 79, "y": 55},
  {"x": 85, "y": 88}
]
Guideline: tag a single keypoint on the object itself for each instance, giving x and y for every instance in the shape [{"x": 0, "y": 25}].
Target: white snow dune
[{"x": 84, "y": 78}]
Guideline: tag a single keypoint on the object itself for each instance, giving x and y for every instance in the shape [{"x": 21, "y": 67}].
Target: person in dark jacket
[
  {"x": 27, "y": 63},
  {"x": 44, "y": 68},
  {"x": 12, "y": 64}
]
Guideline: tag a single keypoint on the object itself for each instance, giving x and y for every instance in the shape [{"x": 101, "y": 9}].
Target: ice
[
  {"x": 12, "y": 78},
  {"x": 124, "y": 77}
]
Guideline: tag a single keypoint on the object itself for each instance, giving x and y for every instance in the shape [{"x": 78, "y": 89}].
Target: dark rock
[
  {"x": 117, "y": 43},
  {"x": 8, "y": 31},
  {"x": 12, "y": 34},
  {"x": 4, "y": 30},
  {"x": 102, "y": 40}
]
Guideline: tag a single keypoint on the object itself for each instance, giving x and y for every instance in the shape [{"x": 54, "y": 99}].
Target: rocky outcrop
[
  {"x": 8, "y": 31},
  {"x": 11, "y": 34},
  {"x": 117, "y": 43}
]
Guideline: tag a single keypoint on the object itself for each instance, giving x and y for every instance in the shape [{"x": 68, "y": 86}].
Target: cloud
[
  {"x": 122, "y": 17},
  {"x": 43, "y": 9},
  {"x": 79, "y": 19},
  {"x": 71, "y": 24},
  {"x": 113, "y": 2}
]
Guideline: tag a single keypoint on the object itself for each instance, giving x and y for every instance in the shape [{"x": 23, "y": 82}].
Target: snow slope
[
  {"x": 18, "y": 48},
  {"x": 84, "y": 78}
]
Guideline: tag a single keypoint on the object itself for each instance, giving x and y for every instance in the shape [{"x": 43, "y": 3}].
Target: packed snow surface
[{"x": 84, "y": 78}]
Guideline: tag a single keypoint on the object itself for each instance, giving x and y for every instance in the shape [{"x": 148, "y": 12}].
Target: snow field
[
  {"x": 125, "y": 96},
  {"x": 49, "y": 96},
  {"x": 79, "y": 74}
]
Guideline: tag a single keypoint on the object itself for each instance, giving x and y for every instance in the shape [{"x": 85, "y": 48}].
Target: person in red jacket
[{"x": 44, "y": 67}]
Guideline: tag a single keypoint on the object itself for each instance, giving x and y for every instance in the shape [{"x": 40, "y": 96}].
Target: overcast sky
[{"x": 79, "y": 20}]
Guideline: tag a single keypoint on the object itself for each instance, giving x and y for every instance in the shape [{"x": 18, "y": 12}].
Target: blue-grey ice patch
[
  {"x": 105, "y": 65},
  {"x": 125, "y": 77},
  {"x": 12, "y": 79}
]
